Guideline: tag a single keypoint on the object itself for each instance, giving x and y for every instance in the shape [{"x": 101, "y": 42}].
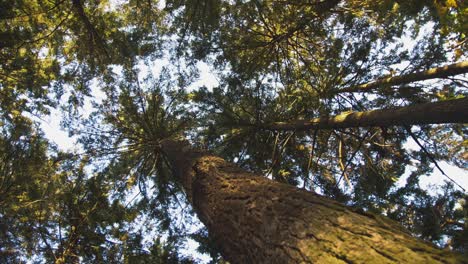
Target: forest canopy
[{"x": 320, "y": 95}]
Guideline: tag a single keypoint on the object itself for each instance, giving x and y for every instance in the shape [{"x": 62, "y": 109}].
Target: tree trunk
[
  {"x": 450, "y": 111},
  {"x": 440, "y": 72},
  {"x": 255, "y": 220}
]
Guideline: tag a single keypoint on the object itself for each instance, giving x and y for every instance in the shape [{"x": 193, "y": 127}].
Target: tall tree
[
  {"x": 278, "y": 111},
  {"x": 254, "y": 219},
  {"x": 231, "y": 202}
]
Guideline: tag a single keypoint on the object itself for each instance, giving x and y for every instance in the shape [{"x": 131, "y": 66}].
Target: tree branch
[
  {"x": 450, "y": 111},
  {"x": 440, "y": 72}
]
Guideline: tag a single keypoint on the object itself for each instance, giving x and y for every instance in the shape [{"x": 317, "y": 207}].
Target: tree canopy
[{"x": 298, "y": 82}]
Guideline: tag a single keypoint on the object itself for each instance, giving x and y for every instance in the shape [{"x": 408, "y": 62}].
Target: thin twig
[
  {"x": 429, "y": 155},
  {"x": 348, "y": 162}
]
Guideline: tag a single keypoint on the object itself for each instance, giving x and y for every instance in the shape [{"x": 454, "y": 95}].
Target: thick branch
[
  {"x": 451, "y": 111},
  {"x": 440, "y": 72}
]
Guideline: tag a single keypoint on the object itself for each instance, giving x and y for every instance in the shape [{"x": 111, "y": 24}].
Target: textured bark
[
  {"x": 450, "y": 111},
  {"x": 256, "y": 220},
  {"x": 440, "y": 72}
]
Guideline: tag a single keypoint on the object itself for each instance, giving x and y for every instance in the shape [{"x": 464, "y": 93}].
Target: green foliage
[
  {"x": 54, "y": 209},
  {"x": 24, "y": 170},
  {"x": 434, "y": 218},
  {"x": 46, "y": 47}
]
